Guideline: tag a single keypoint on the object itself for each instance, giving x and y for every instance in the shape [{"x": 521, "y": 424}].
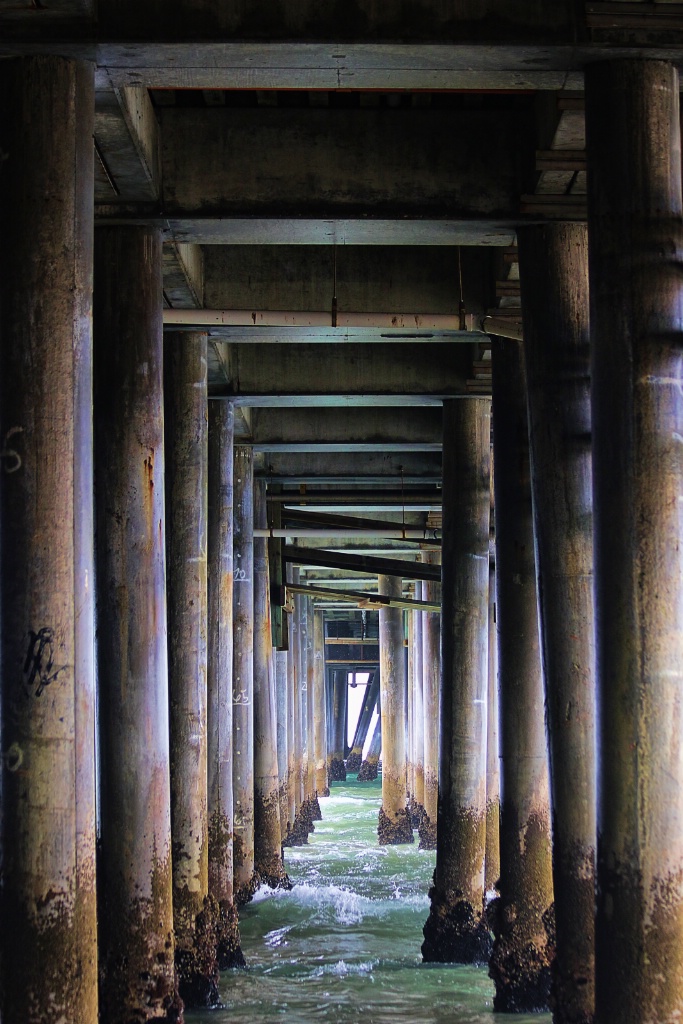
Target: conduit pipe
[
  {"x": 298, "y": 318},
  {"x": 390, "y": 533}
]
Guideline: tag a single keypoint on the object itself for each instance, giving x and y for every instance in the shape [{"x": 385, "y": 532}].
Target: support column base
[
  {"x": 519, "y": 965},
  {"x": 337, "y": 770},
  {"x": 228, "y": 949},
  {"x": 302, "y": 827},
  {"x": 392, "y": 833},
  {"x": 316, "y": 813},
  {"x": 196, "y": 960},
  {"x": 427, "y": 833},
  {"x": 417, "y": 813},
  {"x": 353, "y": 762},
  {"x": 455, "y": 933},
  {"x": 245, "y": 892},
  {"x": 367, "y": 771}
]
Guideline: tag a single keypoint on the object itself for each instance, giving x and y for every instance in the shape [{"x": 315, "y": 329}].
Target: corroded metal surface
[
  {"x": 48, "y": 699},
  {"x": 136, "y": 919},
  {"x": 636, "y": 251},
  {"x": 554, "y": 279},
  {"x": 455, "y": 930}
]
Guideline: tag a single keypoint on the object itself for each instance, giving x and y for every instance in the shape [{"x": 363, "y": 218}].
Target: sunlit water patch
[{"x": 343, "y": 947}]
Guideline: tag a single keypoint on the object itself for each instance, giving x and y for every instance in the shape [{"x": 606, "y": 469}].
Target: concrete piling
[
  {"x": 431, "y": 674},
  {"x": 634, "y": 224},
  {"x": 522, "y": 916},
  {"x": 219, "y": 680},
  {"x": 46, "y": 516},
  {"x": 267, "y": 835},
  {"x": 245, "y": 881},
  {"x": 492, "y": 864},
  {"x": 368, "y": 770},
  {"x": 319, "y": 709},
  {"x": 355, "y": 758},
  {"x": 186, "y": 451},
  {"x": 337, "y": 768},
  {"x": 138, "y": 980},
  {"x": 554, "y": 280},
  {"x": 455, "y": 930},
  {"x": 395, "y": 825}
]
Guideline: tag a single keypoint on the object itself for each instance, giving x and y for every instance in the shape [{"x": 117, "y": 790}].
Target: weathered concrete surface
[
  {"x": 186, "y": 452},
  {"x": 394, "y": 817},
  {"x": 492, "y": 864},
  {"x": 283, "y": 719},
  {"x": 381, "y": 429},
  {"x": 183, "y": 270},
  {"x": 336, "y": 768},
  {"x": 219, "y": 679},
  {"x": 455, "y": 930},
  {"x": 368, "y": 769},
  {"x": 134, "y": 884},
  {"x": 350, "y": 163},
  {"x": 422, "y": 370},
  {"x": 522, "y": 916},
  {"x": 632, "y": 114},
  {"x": 127, "y": 145},
  {"x": 355, "y": 758},
  {"x": 554, "y": 278},
  {"x": 267, "y": 834},
  {"x": 431, "y": 675},
  {"x": 465, "y": 21},
  {"x": 243, "y": 674},
  {"x": 319, "y": 707},
  {"x": 46, "y": 514},
  {"x": 418, "y": 790},
  {"x": 385, "y": 278}
]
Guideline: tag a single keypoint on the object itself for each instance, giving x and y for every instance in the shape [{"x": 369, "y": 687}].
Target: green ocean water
[{"x": 344, "y": 945}]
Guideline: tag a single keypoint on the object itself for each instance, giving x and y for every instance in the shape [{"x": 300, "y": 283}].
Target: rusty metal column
[
  {"x": 319, "y": 709},
  {"x": 49, "y": 943},
  {"x": 337, "y": 767},
  {"x": 431, "y": 673},
  {"x": 492, "y": 865},
  {"x": 634, "y": 222},
  {"x": 355, "y": 758},
  {"x": 455, "y": 931},
  {"x": 186, "y": 448},
  {"x": 267, "y": 836},
  {"x": 554, "y": 279},
  {"x": 136, "y": 904},
  {"x": 418, "y": 617},
  {"x": 245, "y": 880},
  {"x": 219, "y": 679},
  {"x": 523, "y": 951},
  {"x": 394, "y": 824}
]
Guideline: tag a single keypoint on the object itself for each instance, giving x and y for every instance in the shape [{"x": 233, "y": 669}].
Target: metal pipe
[
  {"x": 390, "y": 533},
  {"x": 298, "y": 318}
]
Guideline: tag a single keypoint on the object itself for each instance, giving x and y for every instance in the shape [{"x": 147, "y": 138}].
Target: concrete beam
[
  {"x": 270, "y": 161},
  {"x": 127, "y": 145},
  {"x": 410, "y": 374},
  {"x": 386, "y": 278},
  {"x": 352, "y": 467},
  {"x": 183, "y": 269},
  {"x": 351, "y": 429}
]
